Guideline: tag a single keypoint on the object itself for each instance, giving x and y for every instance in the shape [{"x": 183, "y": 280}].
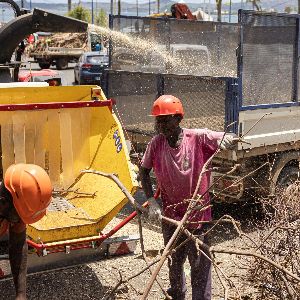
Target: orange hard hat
[
  {"x": 31, "y": 190},
  {"x": 167, "y": 105}
]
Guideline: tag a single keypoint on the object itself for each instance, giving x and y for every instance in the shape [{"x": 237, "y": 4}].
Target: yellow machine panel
[{"x": 66, "y": 141}]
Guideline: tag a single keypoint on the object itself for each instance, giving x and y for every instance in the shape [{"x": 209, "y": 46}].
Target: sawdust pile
[{"x": 63, "y": 40}]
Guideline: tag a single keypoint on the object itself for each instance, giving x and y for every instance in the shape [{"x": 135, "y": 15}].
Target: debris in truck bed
[{"x": 63, "y": 40}]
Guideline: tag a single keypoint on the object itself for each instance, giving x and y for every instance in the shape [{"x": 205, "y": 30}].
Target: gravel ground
[{"x": 94, "y": 280}]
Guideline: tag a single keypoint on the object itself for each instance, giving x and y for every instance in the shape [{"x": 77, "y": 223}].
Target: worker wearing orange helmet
[
  {"x": 25, "y": 194},
  {"x": 177, "y": 156}
]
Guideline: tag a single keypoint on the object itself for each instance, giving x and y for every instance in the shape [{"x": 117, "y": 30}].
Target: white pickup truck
[
  {"x": 269, "y": 158},
  {"x": 266, "y": 112},
  {"x": 61, "y": 56},
  {"x": 187, "y": 59},
  {"x": 261, "y": 104}
]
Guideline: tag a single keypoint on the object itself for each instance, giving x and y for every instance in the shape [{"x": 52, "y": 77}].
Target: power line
[{"x": 282, "y": 3}]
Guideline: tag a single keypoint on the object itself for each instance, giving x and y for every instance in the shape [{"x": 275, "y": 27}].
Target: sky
[
  {"x": 200, "y": 2},
  {"x": 129, "y": 1}
]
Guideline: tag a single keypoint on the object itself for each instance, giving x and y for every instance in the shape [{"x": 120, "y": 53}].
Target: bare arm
[
  {"x": 18, "y": 260},
  {"x": 146, "y": 182}
]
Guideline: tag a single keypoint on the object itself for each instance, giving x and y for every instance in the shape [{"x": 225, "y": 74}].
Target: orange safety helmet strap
[
  {"x": 31, "y": 190},
  {"x": 167, "y": 105}
]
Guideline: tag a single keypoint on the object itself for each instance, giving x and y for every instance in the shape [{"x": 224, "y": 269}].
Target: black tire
[
  {"x": 61, "y": 64},
  {"x": 81, "y": 82},
  {"x": 44, "y": 65},
  {"x": 287, "y": 177},
  {"x": 75, "y": 79},
  {"x": 5, "y": 75}
]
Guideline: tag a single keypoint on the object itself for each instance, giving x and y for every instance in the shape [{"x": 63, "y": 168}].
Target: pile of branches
[
  {"x": 270, "y": 256},
  {"x": 64, "y": 40},
  {"x": 281, "y": 244}
]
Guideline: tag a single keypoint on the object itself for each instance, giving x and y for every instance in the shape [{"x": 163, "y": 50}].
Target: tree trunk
[
  {"x": 298, "y": 6},
  {"x": 69, "y": 5},
  {"x": 219, "y": 10},
  {"x": 158, "y": 6},
  {"x": 119, "y": 7}
]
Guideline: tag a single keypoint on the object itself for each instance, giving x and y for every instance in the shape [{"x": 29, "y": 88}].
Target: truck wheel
[
  {"x": 5, "y": 75},
  {"x": 287, "y": 177},
  {"x": 75, "y": 79},
  {"x": 80, "y": 81},
  {"x": 61, "y": 64},
  {"x": 44, "y": 65}
]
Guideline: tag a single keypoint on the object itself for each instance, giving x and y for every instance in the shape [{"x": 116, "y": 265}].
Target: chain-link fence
[
  {"x": 164, "y": 45},
  {"x": 134, "y": 93},
  {"x": 204, "y": 99},
  {"x": 269, "y": 59}
]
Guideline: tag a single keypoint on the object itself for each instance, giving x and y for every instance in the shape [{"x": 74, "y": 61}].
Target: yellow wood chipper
[{"x": 70, "y": 132}]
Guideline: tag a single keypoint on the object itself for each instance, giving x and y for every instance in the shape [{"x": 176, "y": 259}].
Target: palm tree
[
  {"x": 255, "y": 4},
  {"x": 219, "y": 9},
  {"x": 69, "y": 5}
]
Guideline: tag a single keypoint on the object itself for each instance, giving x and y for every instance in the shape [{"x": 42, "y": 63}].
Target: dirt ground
[{"x": 96, "y": 279}]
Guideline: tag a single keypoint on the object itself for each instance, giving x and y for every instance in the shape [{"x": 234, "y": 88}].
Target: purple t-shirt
[{"x": 177, "y": 170}]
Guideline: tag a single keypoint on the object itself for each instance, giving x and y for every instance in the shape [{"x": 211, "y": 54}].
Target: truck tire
[
  {"x": 61, "y": 64},
  {"x": 44, "y": 65},
  {"x": 5, "y": 75},
  {"x": 80, "y": 81},
  {"x": 75, "y": 79},
  {"x": 287, "y": 177}
]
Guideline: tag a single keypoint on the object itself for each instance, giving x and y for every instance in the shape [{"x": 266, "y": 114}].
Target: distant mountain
[
  {"x": 146, "y": 7},
  {"x": 127, "y": 7}
]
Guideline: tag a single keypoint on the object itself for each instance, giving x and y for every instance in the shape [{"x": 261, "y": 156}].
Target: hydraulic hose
[
  {"x": 14, "y": 6},
  {"x": 18, "y": 29}
]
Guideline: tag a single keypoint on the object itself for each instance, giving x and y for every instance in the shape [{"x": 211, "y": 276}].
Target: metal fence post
[
  {"x": 239, "y": 56},
  {"x": 160, "y": 84},
  {"x": 232, "y": 104},
  {"x": 296, "y": 64},
  {"x": 111, "y": 27}
]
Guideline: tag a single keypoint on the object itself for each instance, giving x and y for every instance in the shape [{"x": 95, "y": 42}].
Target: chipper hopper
[{"x": 71, "y": 132}]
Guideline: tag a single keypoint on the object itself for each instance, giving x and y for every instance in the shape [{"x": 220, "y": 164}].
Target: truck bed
[{"x": 58, "y": 52}]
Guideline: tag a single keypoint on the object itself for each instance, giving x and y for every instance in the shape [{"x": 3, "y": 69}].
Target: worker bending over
[
  {"x": 24, "y": 196},
  {"x": 177, "y": 156}
]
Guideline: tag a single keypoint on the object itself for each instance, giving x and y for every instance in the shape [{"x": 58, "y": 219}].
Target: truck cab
[
  {"x": 186, "y": 59},
  {"x": 190, "y": 59}
]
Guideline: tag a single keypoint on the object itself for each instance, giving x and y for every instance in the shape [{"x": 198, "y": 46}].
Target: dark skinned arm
[
  {"x": 146, "y": 182},
  {"x": 18, "y": 250}
]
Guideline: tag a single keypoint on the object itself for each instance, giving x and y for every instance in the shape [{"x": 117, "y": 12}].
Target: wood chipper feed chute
[{"x": 66, "y": 137}]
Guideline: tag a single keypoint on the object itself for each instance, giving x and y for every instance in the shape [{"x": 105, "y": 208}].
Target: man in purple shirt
[{"x": 177, "y": 156}]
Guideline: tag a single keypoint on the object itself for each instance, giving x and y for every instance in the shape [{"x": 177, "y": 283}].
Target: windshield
[
  {"x": 97, "y": 59},
  {"x": 95, "y": 38}
]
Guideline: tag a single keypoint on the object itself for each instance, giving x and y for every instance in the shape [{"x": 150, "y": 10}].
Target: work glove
[
  {"x": 154, "y": 211},
  {"x": 228, "y": 141}
]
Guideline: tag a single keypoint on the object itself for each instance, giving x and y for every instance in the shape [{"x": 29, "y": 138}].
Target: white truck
[
  {"x": 188, "y": 59},
  {"x": 61, "y": 56},
  {"x": 24, "y": 25},
  {"x": 261, "y": 105}
]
